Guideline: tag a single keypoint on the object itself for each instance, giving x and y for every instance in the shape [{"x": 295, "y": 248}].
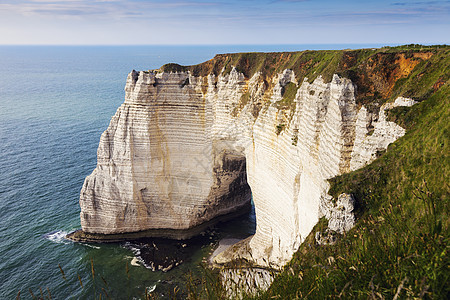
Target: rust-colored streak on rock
[
  {"x": 438, "y": 84},
  {"x": 378, "y": 75}
]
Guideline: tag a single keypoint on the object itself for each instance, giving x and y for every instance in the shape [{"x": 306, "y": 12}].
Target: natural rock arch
[{"x": 173, "y": 156}]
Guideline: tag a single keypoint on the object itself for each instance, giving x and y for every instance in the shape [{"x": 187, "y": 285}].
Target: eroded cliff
[
  {"x": 188, "y": 142},
  {"x": 159, "y": 165}
]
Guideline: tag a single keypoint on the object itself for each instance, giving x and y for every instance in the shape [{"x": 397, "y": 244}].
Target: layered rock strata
[
  {"x": 182, "y": 148},
  {"x": 159, "y": 166}
]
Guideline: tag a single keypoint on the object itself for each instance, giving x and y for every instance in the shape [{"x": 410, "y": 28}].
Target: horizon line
[{"x": 230, "y": 44}]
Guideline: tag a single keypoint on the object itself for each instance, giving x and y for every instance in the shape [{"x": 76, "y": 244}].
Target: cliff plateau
[{"x": 190, "y": 144}]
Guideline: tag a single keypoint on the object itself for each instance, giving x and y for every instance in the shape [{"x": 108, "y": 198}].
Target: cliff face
[
  {"x": 183, "y": 146},
  {"x": 158, "y": 165}
]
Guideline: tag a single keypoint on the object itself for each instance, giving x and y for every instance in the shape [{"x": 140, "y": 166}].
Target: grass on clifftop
[
  {"x": 400, "y": 245},
  {"x": 380, "y": 74},
  {"x": 399, "y": 248}
]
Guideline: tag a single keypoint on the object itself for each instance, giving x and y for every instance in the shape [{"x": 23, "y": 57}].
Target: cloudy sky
[{"x": 130, "y": 22}]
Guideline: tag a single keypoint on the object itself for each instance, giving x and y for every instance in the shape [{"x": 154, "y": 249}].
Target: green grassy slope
[
  {"x": 375, "y": 71},
  {"x": 400, "y": 245}
]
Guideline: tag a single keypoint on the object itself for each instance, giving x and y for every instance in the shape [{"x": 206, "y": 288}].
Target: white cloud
[{"x": 204, "y": 21}]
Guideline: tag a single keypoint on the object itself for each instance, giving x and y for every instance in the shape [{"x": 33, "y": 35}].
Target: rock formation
[
  {"x": 159, "y": 165},
  {"x": 183, "y": 146}
]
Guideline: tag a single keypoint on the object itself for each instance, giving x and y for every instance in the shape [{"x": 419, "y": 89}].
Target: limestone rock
[
  {"x": 342, "y": 218},
  {"x": 328, "y": 237},
  {"x": 158, "y": 165},
  {"x": 367, "y": 143},
  {"x": 246, "y": 281},
  {"x": 176, "y": 155}
]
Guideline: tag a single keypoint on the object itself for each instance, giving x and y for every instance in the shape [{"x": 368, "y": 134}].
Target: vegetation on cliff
[
  {"x": 380, "y": 74},
  {"x": 400, "y": 245}
]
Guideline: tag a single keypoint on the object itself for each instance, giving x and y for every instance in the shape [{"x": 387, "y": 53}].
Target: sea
[{"x": 55, "y": 101}]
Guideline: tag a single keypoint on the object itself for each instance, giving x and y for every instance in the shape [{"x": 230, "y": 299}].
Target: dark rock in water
[
  {"x": 160, "y": 254},
  {"x": 177, "y": 234},
  {"x": 164, "y": 254}
]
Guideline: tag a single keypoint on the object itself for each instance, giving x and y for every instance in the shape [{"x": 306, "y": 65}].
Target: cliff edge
[{"x": 191, "y": 144}]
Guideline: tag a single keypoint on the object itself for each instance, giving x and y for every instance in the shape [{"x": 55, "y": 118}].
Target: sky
[{"x": 220, "y": 22}]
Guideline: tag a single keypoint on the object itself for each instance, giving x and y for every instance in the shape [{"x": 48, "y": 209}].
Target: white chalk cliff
[
  {"x": 178, "y": 153},
  {"x": 159, "y": 165}
]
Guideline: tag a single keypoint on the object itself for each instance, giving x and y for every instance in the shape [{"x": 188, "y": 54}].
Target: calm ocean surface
[{"x": 54, "y": 104}]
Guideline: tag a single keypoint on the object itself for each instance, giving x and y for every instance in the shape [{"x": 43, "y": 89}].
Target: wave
[
  {"x": 135, "y": 262},
  {"x": 57, "y": 236},
  {"x": 90, "y": 246},
  {"x": 137, "y": 259}
]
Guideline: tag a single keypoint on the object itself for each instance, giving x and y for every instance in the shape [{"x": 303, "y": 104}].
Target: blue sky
[{"x": 130, "y": 22}]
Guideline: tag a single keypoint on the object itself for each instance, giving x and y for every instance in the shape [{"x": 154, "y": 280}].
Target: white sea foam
[
  {"x": 90, "y": 246},
  {"x": 58, "y": 236},
  {"x": 135, "y": 262},
  {"x": 136, "y": 251}
]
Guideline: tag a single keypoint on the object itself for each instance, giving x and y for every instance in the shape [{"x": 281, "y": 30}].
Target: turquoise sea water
[{"x": 54, "y": 104}]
